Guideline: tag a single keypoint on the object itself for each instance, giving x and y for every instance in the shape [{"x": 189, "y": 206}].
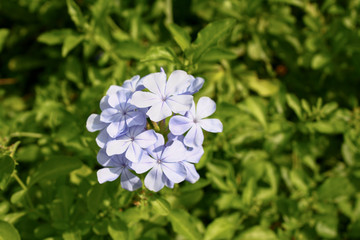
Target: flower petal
[
  {"x": 156, "y": 150},
  {"x": 194, "y": 155},
  {"x": 93, "y": 123},
  {"x": 117, "y": 147},
  {"x": 195, "y": 137},
  {"x": 178, "y": 81},
  {"x": 159, "y": 111},
  {"x": 174, "y": 153},
  {"x": 146, "y": 139},
  {"x": 167, "y": 182},
  {"x": 113, "y": 89},
  {"x": 135, "y": 118},
  {"x": 109, "y": 115},
  {"x": 129, "y": 181},
  {"x": 116, "y": 128},
  {"x": 195, "y": 85},
  {"x": 102, "y": 138},
  {"x": 154, "y": 180},
  {"x": 176, "y": 172},
  {"x": 134, "y": 84},
  {"x": 144, "y": 99},
  {"x": 156, "y": 83},
  {"x": 104, "y": 103},
  {"x": 211, "y": 125},
  {"x": 180, "y": 103},
  {"x": 178, "y": 125},
  {"x": 205, "y": 107},
  {"x": 103, "y": 158},
  {"x": 121, "y": 96},
  {"x": 134, "y": 152},
  {"x": 108, "y": 174},
  {"x": 191, "y": 174},
  {"x": 144, "y": 165}
]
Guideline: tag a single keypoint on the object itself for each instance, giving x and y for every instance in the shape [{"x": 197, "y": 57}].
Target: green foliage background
[{"x": 285, "y": 76}]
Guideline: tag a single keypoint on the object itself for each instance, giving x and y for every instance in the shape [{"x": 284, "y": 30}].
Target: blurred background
[{"x": 285, "y": 75}]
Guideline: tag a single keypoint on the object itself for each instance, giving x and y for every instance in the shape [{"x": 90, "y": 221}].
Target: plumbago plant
[{"x": 127, "y": 125}]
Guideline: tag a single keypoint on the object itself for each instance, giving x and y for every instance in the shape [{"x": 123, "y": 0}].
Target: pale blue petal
[
  {"x": 156, "y": 83},
  {"x": 194, "y": 137},
  {"x": 178, "y": 125},
  {"x": 146, "y": 139},
  {"x": 93, "y": 123},
  {"x": 103, "y": 158},
  {"x": 205, "y": 107},
  {"x": 117, "y": 147},
  {"x": 104, "y": 103},
  {"x": 195, "y": 85},
  {"x": 144, "y": 165},
  {"x": 113, "y": 89},
  {"x": 108, "y": 174},
  {"x": 102, "y": 138},
  {"x": 134, "y": 152},
  {"x": 135, "y": 118},
  {"x": 167, "y": 182},
  {"x": 179, "y": 103},
  {"x": 109, "y": 115},
  {"x": 129, "y": 181},
  {"x": 174, "y": 153},
  {"x": 178, "y": 81},
  {"x": 116, "y": 128},
  {"x": 156, "y": 150},
  {"x": 175, "y": 172},
  {"x": 144, "y": 99},
  {"x": 191, "y": 174},
  {"x": 211, "y": 125},
  {"x": 154, "y": 180},
  {"x": 159, "y": 111},
  {"x": 134, "y": 84},
  {"x": 194, "y": 155}
]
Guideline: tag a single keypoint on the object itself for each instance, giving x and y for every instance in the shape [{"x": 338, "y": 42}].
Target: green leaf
[
  {"x": 294, "y": 104},
  {"x": 6, "y": 169},
  {"x": 70, "y": 42},
  {"x": 161, "y": 206},
  {"x": 319, "y": 61},
  {"x": 180, "y": 35},
  {"x": 257, "y": 233},
  {"x": 55, "y": 37},
  {"x": 217, "y": 54},
  {"x": 264, "y": 87},
  {"x": 335, "y": 187},
  {"x": 95, "y": 198},
  {"x": 209, "y": 36},
  {"x": 118, "y": 230},
  {"x": 326, "y": 226},
  {"x": 160, "y": 54},
  {"x": 222, "y": 227},
  {"x": 129, "y": 49},
  {"x": 257, "y": 109},
  {"x": 75, "y": 13},
  {"x": 73, "y": 71},
  {"x": 7, "y": 231},
  {"x": 183, "y": 224},
  {"x": 55, "y": 167},
  {"x": 3, "y": 35}
]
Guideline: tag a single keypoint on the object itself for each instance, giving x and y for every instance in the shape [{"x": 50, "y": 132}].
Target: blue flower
[
  {"x": 132, "y": 143},
  {"x": 192, "y": 156},
  {"x": 116, "y": 166},
  {"x": 165, "y": 163},
  {"x": 121, "y": 114},
  {"x": 194, "y": 120},
  {"x": 165, "y": 96}
]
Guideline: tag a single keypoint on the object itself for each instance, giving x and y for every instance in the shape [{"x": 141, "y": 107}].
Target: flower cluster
[{"x": 127, "y": 125}]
